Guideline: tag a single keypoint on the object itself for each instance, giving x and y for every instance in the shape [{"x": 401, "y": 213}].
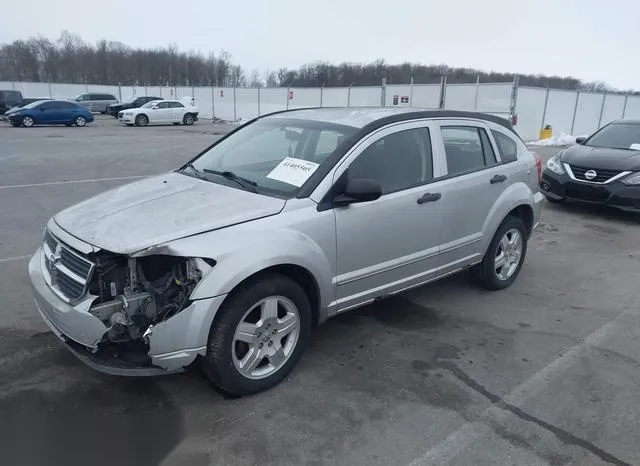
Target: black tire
[
  {"x": 80, "y": 121},
  {"x": 218, "y": 363},
  {"x": 485, "y": 274},
  {"x": 142, "y": 120},
  {"x": 188, "y": 119}
]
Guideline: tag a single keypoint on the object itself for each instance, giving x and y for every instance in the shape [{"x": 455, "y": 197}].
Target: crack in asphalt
[{"x": 565, "y": 437}]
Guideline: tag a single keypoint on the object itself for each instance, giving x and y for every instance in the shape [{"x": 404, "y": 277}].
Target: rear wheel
[
  {"x": 142, "y": 120},
  {"x": 80, "y": 121},
  {"x": 188, "y": 119},
  {"x": 258, "y": 335},
  {"x": 504, "y": 257},
  {"x": 27, "y": 122}
]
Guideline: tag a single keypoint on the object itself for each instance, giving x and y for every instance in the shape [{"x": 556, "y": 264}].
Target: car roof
[{"x": 359, "y": 117}]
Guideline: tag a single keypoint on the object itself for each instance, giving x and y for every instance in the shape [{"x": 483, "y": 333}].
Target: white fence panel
[
  {"x": 184, "y": 91},
  {"x": 246, "y": 103},
  {"x": 203, "y": 97},
  {"x": 335, "y": 96},
  {"x": 304, "y": 97},
  {"x": 273, "y": 100},
  {"x": 29, "y": 90},
  {"x": 530, "y": 110},
  {"x": 365, "y": 97},
  {"x": 587, "y": 113},
  {"x": 153, "y": 91},
  {"x": 113, "y": 90},
  {"x": 560, "y": 111},
  {"x": 67, "y": 91},
  {"x": 633, "y": 107},
  {"x": 394, "y": 93},
  {"x": 613, "y": 108},
  {"x": 425, "y": 96},
  {"x": 223, "y": 103},
  {"x": 460, "y": 96},
  {"x": 493, "y": 98}
]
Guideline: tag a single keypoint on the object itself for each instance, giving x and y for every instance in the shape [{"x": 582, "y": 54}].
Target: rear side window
[
  {"x": 467, "y": 149},
  {"x": 176, "y": 105},
  {"x": 399, "y": 161},
  {"x": 10, "y": 97},
  {"x": 507, "y": 147}
]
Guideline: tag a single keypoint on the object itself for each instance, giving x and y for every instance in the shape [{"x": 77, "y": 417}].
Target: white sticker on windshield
[
  {"x": 293, "y": 171},
  {"x": 634, "y": 146}
]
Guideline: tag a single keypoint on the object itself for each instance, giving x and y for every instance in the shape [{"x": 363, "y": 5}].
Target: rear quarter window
[{"x": 507, "y": 147}]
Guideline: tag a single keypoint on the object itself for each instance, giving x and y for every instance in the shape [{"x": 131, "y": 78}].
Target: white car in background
[{"x": 160, "y": 112}]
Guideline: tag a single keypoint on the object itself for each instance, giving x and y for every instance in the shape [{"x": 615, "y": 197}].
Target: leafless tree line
[{"x": 72, "y": 60}]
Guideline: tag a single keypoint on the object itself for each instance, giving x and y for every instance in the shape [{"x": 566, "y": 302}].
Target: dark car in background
[
  {"x": 602, "y": 169},
  {"x": 135, "y": 102},
  {"x": 10, "y": 99},
  {"x": 51, "y": 112}
]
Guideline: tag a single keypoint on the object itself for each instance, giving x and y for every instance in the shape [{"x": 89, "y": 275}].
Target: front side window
[
  {"x": 275, "y": 155},
  {"x": 163, "y": 105},
  {"x": 467, "y": 149},
  {"x": 398, "y": 161}
]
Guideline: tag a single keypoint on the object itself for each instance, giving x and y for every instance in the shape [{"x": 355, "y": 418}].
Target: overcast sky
[{"x": 587, "y": 39}]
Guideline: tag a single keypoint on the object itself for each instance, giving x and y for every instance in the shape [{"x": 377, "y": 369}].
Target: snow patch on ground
[{"x": 561, "y": 140}]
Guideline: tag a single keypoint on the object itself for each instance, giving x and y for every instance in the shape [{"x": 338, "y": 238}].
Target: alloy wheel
[{"x": 508, "y": 254}]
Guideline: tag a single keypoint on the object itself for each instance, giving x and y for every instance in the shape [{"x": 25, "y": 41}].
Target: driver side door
[
  {"x": 391, "y": 243},
  {"x": 161, "y": 113}
]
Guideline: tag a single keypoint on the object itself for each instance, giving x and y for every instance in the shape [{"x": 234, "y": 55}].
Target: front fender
[
  {"x": 515, "y": 195},
  {"x": 241, "y": 253}
]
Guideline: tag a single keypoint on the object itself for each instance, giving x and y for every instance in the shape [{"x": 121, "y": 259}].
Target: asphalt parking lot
[{"x": 546, "y": 372}]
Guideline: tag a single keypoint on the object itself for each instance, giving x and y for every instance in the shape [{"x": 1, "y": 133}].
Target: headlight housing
[
  {"x": 555, "y": 165},
  {"x": 632, "y": 180},
  {"x": 128, "y": 114}
]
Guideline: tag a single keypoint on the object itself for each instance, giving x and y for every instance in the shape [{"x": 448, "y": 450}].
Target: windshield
[
  {"x": 149, "y": 104},
  {"x": 616, "y": 136},
  {"x": 275, "y": 155},
  {"x": 35, "y": 104}
]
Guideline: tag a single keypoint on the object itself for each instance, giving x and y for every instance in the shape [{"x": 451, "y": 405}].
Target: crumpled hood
[
  {"x": 162, "y": 208},
  {"x": 602, "y": 157}
]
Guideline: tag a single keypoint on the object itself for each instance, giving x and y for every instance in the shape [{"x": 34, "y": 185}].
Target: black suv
[
  {"x": 135, "y": 103},
  {"x": 10, "y": 99}
]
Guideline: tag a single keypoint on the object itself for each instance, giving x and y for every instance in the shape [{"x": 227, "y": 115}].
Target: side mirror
[
  {"x": 580, "y": 140},
  {"x": 358, "y": 190}
]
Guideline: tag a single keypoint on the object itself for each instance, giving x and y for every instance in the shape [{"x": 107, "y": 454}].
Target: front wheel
[
  {"x": 504, "y": 257},
  {"x": 27, "y": 122},
  {"x": 80, "y": 121},
  {"x": 142, "y": 120},
  {"x": 258, "y": 335}
]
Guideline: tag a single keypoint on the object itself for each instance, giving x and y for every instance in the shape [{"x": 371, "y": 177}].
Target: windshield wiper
[
  {"x": 247, "y": 184},
  {"x": 196, "y": 172}
]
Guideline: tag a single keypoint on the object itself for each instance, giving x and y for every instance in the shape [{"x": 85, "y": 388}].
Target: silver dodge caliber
[{"x": 290, "y": 219}]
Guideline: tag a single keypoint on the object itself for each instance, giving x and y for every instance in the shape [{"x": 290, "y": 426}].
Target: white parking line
[
  {"x": 73, "y": 181},
  {"x": 17, "y": 258},
  {"x": 461, "y": 439}
]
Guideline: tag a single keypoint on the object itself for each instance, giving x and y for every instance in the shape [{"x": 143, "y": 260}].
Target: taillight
[{"x": 538, "y": 166}]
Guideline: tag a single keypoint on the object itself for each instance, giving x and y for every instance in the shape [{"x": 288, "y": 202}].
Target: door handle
[
  {"x": 429, "y": 197},
  {"x": 497, "y": 179}
]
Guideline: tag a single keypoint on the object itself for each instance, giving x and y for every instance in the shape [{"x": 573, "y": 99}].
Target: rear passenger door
[
  {"x": 177, "y": 112},
  {"x": 473, "y": 182}
]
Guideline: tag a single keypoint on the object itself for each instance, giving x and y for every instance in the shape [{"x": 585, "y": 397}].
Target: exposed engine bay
[{"x": 134, "y": 294}]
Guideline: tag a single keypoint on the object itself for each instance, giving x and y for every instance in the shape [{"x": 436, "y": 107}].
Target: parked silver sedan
[{"x": 290, "y": 219}]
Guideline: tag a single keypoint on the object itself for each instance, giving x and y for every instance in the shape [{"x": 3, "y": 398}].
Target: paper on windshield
[
  {"x": 634, "y": 146},
  {"x": 293, "y": 171}
]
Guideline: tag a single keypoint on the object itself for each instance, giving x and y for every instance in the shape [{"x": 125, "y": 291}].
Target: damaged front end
[
  {"x": 121, "y": 314},
  {"x": 135, "y": 294}
]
